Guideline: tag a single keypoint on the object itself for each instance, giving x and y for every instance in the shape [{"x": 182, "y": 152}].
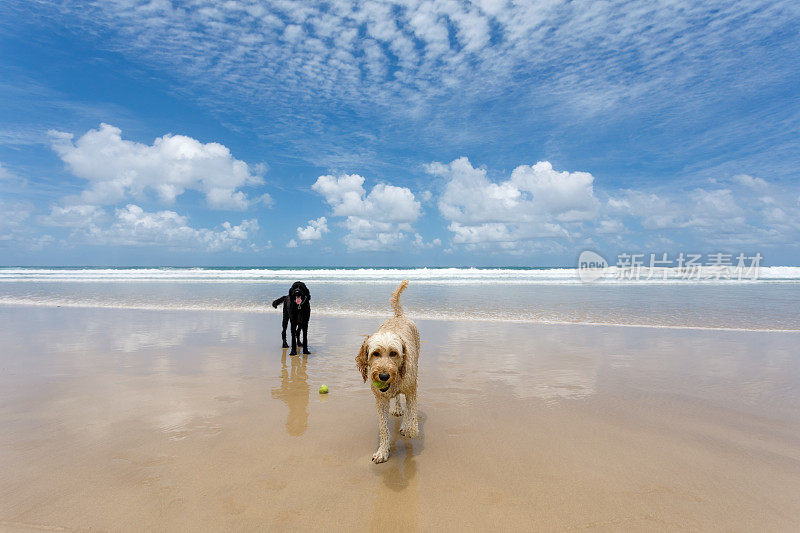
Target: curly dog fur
[{"x": 390, "y": 357}]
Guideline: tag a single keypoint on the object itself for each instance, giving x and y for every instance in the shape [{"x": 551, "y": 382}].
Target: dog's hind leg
[
  {"x": 383, "y": 426},
  {"x": 305, "y": 340},
  {"x": 397, "y": 409},
  {"x": 410, "y": 425}
]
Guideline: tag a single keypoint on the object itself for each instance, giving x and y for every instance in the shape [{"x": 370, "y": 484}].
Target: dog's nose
[{"x": 383, "y": 376}]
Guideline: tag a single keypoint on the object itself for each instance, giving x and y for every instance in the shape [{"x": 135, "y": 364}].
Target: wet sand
[{"x": 196, "y": 420}]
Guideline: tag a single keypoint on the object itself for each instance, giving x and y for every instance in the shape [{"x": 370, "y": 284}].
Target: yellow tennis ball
[{"x": 323, "y": 389}]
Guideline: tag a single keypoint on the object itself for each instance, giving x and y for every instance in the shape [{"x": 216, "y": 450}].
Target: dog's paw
[
  {"x": 380, "y": 456},
  {"x": 306, "y": 350},
  {"x": 398, "y": 411},
  {"x": 285, "y": 345},
  {"x": 293, "y": 352},
  {"x": 411, "y": 433}
]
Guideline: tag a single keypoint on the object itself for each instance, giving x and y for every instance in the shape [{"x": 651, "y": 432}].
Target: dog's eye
[
  {"x": 392, "y": 354},
  {"x": 375, "y": 354}
]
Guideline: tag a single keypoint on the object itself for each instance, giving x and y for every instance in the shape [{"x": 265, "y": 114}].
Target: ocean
[{"x": 530, "y": 295}]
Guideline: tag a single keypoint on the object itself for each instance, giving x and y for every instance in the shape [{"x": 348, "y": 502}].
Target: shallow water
[
  {"x": 532, "y": 296},
  {"x": 193, "y": 420}
]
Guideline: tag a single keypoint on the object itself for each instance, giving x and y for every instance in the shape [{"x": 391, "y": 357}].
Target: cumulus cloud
[
  {"x": 379, "y": 220},
  {"x": 313, "y": 231},
  {"x": 534, "y": 202},
  {"x": 539, "y": 207},
  {"x": 133, "y": 226},
  {"x": 118, "y": 169}
]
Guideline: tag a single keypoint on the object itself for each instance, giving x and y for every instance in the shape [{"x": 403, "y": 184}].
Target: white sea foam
[{"x": 342, "y": 312}]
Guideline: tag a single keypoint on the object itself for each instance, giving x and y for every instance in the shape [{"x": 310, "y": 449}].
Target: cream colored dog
[{"x": 389, "y": 358}]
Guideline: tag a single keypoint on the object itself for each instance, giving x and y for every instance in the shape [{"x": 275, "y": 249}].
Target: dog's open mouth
[
  {"x": 298, "y": 300},
  {"x": 381, "y": 385}
]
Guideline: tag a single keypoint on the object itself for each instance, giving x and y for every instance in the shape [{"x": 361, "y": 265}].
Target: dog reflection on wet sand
[
  {"x": 294, "y": 391},
  {"x": 389, "y": 359}
]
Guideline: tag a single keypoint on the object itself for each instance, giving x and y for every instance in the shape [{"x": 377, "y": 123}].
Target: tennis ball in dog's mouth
[
  {"x": 380, "y": 385},
  {"x": 323, "y": 389}
]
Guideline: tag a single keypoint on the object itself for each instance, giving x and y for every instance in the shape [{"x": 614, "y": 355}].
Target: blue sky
[{"x": 396, "y": 133}]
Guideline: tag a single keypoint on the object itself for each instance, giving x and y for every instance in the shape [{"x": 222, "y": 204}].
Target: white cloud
[
  {"x": 750, "y": 181},
  {"x": 6, "y": 174},
  {"x": 567, "y": 195},
  {"x": 119, "y": 169},
  {"x": 537, "y": 207},
  {"x": 654, "y": 211},
  {"x": 751, "y": 211},
  {"x": 376, "y": 221},
  {"x": 132, "y": 226},
  {"x": 400, "y": 53},
  {"x": 266, "y": 199},
  {"x": 610, "y": 226},
  {"x": 419, "y": 242},
  {"x": 16, "y": 231},
  {"x": 534, "y": 202},
  {"x": 715, "y": 209},
  {"x": 14, "y": 216},
  {"x": 700, "y": 209},
  {"x": 313, "y": 231},
  {"x": 291, "y": 244},
  {"x": 73, "y": 216}
]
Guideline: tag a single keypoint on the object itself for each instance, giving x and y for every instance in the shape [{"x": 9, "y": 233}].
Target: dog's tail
[
  {"x": 395, "y": 299},
  {"x": 278, "y": 302}
]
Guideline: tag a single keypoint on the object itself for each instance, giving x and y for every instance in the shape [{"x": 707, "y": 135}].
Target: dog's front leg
[
  {"x": 397, "y": 409},
  {"x": 283, "y": 331},
  {"x": 383, "y": 426},
  {"x": 294, "y": 338},
  {"x": 410, "y": 425}
]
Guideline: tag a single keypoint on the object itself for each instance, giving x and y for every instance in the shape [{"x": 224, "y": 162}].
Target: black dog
[{"x": 297, "y": 310}]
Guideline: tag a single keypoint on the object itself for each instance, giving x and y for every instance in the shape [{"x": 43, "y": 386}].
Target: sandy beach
[{"x": 197, "y": 420}]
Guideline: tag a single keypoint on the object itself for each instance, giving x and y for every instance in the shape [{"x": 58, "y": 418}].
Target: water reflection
[
  {"x": 294, "y": 392},
  {"x": 398, "y": 489},
  {"x": 553, "y": 365}
]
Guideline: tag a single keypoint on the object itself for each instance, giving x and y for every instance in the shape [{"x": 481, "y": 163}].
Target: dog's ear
[
  {"x": 402, "y": 369},
  {"x": 302, "y": 287},
  {"x": 362, "y": 357}
]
